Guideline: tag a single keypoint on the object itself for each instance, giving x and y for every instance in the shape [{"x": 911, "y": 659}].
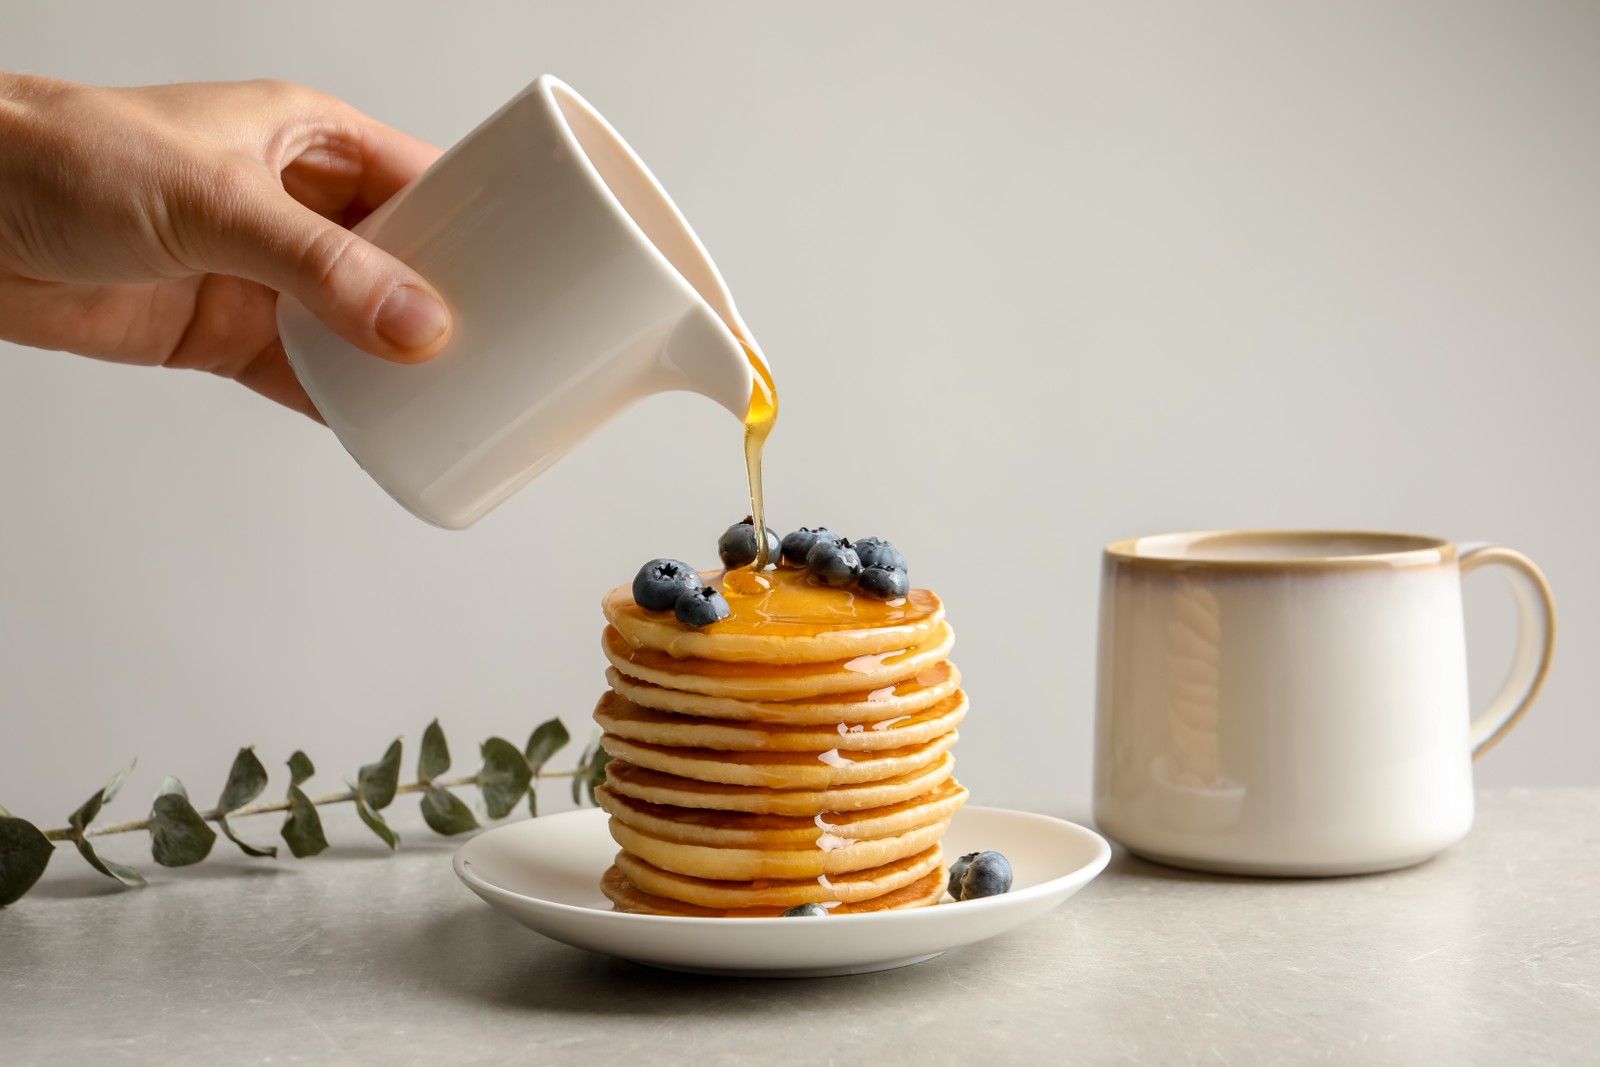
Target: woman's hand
[{"x": 153, "y": 225}]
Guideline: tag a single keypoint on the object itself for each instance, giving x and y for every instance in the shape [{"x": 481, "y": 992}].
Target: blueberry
[
  {"x": 737, "y": 545},
  {"x": 805, "y": 909},
  {"x": 660, "y": 583},
  {"x": 701, "y": 607},
  {"x": 876, "y": 552},
  {"x": 797, "y": 544},
  {"x": 885, "y": 583},
  {"x": 833, "y": 563},
  {"x": 980, "y": 874},
  {"x": 957, "y": 869}
]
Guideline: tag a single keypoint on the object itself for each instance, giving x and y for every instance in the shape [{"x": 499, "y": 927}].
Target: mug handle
[{"x": 1536, "y": 642}]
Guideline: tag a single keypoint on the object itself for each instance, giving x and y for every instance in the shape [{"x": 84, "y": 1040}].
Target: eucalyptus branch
[
  {"x": 266, "y": 807},
  {"x": 181, "y": 834}
]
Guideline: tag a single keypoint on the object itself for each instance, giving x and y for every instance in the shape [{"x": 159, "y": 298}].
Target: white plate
[{"x": 545, "y": 873}]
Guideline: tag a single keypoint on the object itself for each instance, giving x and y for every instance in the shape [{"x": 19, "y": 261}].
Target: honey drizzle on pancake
[
  {"x": 617, "y": 714},
  {"x": 714, "y": 798},
  {"x": 784, "y": 602},
  {"x": 833, "y": 757},
  {"x": 761, "y": 682},
  {"x": 939, "y": 802}
]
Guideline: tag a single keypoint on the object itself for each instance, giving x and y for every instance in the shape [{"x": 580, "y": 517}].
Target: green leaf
[
  {"x": 80, "y": 819},
  {"x": 376, "y": 824},
  {"x": 546, "y": 740},
  {"x": 79, "y": 822},
  {"x": 446, "y": 813},
  {"x": 300, "y": 768},
  {"x": 302, "y": 830},
  {"x": 120, "y": 871},
  {"x": 434, "y": 757},
  {"x": 87, "y": 811},
  {"x": 580, "y": 773},
  {"x": 504, "y": 778},
  {"x": 24, "y": 854},
  {"x": 375, "y": 787},
  {"x": 376, "y": 782},
  {"x": 178, "y": 835},
  {"x": 591, "y": 770},
  {"x": 244, "y": 846},
  {"x": 595, "y": 774},
  {"x": 115, "y": 785},
  {"x": 247, "y": 779},
  {"x": 550, "y": 737}
]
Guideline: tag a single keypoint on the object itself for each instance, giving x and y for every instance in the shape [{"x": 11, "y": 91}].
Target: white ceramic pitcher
[{"x": 576, "y": 288}]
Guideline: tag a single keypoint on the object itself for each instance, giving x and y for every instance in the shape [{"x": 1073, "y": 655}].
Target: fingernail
[{"x": 411, "y": 318}]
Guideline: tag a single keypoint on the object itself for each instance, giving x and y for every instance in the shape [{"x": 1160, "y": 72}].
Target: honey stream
[{"x": 759, "y": 418}]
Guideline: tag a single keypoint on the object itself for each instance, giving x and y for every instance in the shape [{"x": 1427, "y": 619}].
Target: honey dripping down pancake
[
  {"x": 792, "y": 750},
  {"x": 617, "y": 714}
]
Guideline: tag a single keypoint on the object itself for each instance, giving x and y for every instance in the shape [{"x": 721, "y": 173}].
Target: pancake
[
  {"x": 625, "y": 896},
  {"x": 794, "y": 622},
  {"x": 868, "y": 707},
  {"x": 670, "y": 790},
  {"x": 623, "y": 718},
  {"x": 726, "y": 829},
  {"x": 779, "y": 770},
  {"x": 779, "y": 893},
  {"x": 831, "y": 856},
  {"x": 778, "y": 681}
]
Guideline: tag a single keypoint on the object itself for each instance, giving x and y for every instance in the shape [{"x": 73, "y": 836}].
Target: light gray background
[{"x": 1032, "y": 277}]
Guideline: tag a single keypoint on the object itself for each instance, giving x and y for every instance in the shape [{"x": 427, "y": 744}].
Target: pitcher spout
[{"x": 704, "y": 355}]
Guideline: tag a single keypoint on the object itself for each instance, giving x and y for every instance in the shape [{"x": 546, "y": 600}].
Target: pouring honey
[{"x": 759, "y": 418}]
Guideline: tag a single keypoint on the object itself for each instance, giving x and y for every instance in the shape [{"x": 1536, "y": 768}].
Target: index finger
[{"x": 390, "y": 160}]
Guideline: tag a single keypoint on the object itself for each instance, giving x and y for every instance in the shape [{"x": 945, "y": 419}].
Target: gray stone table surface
[{"x": 1488, "y": 954}]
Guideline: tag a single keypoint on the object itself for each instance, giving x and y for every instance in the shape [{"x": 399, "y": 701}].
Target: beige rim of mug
[{"x": 1388, "y": 551}]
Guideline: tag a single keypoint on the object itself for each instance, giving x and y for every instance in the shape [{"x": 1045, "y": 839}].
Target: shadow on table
[
  {"x": 1125, "y": 864},
  {"x": 479, "y": 956},
  {"x": 87, "y": 884}
]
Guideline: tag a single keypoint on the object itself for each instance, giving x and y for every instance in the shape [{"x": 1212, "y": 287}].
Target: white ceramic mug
[
  {"x": 1295, "y": 703},
  {"x": 576, "y": 288}
]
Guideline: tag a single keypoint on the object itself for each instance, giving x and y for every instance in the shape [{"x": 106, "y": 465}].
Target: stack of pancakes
[{"x": 796, "y": 752}]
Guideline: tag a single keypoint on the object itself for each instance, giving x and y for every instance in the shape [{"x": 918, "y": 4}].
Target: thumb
[{"x": 359, "y": 291}]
